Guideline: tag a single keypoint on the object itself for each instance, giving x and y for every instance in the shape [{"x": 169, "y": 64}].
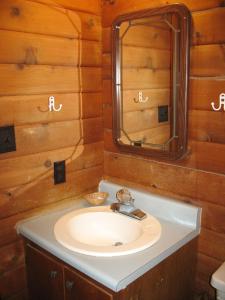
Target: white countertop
[{"x": 180, "y": 224}]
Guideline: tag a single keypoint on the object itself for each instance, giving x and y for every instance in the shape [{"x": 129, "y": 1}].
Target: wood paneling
[
  {"x": 39, "y": 138},
  {"x": 207, "y": 126},
  {"x": 34, "y": 17},
  {"x": 201, "y": 97},
  {"x": 22, "y": 201},
  {"x": 199, "y": 178},
  {"x": 198, "y": 157},
  {"x": 121, "y": 7},
  {"x": 106, "y": 39},
  {"x": 145, "y": 58},
  {"x": 148, "y": 37},
  {"x": 212, "y": 244},
  {"x": 145, "y": 79},
  {"x": 13, "y": 282},
  {"x": 157, "y": 97},
  {"x": 78, "y": 5},
  {"x": 42, "y": 79},
  {"x": 107, "y": 91},
  {"x": 207, "y": 26},
  {"x": 41, "y": 164},
  {"x": 74, "y": 106},
  {"x": 48, "y": 48},
  {"x": 208, "y": 60},
  {"x": 33, "y": 49},
  {"x": 11, "y": 255},
  {"x": 141, "y": 120}
]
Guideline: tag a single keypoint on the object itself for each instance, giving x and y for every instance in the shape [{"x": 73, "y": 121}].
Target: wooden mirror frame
[{"x": 181, "y": 120}]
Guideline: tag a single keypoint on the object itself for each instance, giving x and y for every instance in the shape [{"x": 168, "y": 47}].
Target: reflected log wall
[
  {"x": 200, "y": 177},
  {"x": 47, "y": 48},
  {"x": 146, "y": 56}
]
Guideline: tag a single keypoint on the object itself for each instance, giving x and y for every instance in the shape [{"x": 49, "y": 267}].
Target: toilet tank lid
[{"x": 218, "y": 278}]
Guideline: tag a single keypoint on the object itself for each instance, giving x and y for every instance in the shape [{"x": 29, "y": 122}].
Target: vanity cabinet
[
  {"x": 44, "y": 275},
  {"x": 78, "y": 287},
  {"x": 51, "y": 279}
]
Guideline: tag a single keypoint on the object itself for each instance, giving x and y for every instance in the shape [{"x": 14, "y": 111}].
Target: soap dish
[{"x": 96, "y": 198}]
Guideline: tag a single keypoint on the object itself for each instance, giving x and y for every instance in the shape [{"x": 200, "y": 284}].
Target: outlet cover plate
[
  {"x": 163, "y": 114},
  {"x": 59, "y": 172},
  {"x": 7, "y": 139}
]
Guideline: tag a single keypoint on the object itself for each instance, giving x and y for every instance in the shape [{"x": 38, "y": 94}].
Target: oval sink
[{"x": 100, "y": 232}]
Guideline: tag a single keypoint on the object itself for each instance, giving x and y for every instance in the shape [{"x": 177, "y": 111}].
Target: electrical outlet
[
  {"x": 7, "y": 139},
  {"x": 163, "y": 113},
  {"x": 138, "y": 143},
  {"x": 59, "y": 172}
]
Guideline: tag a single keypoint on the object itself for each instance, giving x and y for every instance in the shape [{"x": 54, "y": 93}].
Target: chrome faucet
[
  {"x": 124, "y": 197},
  {"x": 125, "y": 205}
]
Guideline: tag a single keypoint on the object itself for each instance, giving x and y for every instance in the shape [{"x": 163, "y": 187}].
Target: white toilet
[{"x": 218, "y": 282}]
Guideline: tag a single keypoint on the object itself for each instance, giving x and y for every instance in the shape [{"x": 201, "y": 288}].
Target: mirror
[{"x": 150, "y": 81}]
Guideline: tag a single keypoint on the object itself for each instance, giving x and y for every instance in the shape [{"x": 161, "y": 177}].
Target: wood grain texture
[
  {"x": 28, "y": 203},
  {"x": 199, "y": 154},
  {"x": 78, "y": 5},
  {"x": 200, "y": 177},
  {"x": 17, "y": 171},
  {"x": 145, "y": 58},
  {"x": 15, "y": 16},
  {"x": 74, "y": 106},
  {"x": 203, "y": 91},
  {"x": 107, "y": 91},
  {"x": 208, "y": 60},
  {"x": 150, "y": 37},
  {"x": 12, "y": 256},
  {"x": 145, "y": 79},
  {"x": 42, "y": 79},
  {"x": 197, "y": 158},
  {"x": 212, "y": 244},
  {"x": 122, "y": 7},
  {"x": 48, "y": 48},
  {"x": 33, "y": 49},
  {"x": 207, "y": 126},
  {"x": 50, "y": 136},
  {"x": 159, "y": 282},
  {"x": 106, "y": 40},
  {"x": 207, "y": 26},
  {"x": 13, "y": 282}
]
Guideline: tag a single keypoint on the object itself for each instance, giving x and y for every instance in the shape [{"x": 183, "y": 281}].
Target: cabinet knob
[
  {"x": 69, "y": 285},
  {"x": 53, "y": 274},
  {"x": 160, "y": 282}
]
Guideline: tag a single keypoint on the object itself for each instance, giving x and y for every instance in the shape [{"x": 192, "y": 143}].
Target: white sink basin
[{"x": 100, "y": 232}]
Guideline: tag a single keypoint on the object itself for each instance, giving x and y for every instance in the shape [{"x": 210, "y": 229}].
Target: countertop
[{"x": 180, "y": 224}]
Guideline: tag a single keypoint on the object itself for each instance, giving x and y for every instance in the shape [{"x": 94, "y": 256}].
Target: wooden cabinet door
[
  {"x": 44, "y": 276},
  {"x": 79, "y": 287}
]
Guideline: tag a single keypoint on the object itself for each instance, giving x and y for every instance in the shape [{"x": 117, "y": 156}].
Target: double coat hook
[{"x": 51, "y": 104}]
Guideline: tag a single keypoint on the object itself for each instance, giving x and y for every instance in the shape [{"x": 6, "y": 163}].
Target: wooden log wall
[
  {"x": 48, "y": 47},
  {"x": 200, "y": 177},
  {"x": 146, "y": 56}
]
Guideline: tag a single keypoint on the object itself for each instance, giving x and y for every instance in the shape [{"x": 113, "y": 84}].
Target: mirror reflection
[{"x": 148, "y": 73}]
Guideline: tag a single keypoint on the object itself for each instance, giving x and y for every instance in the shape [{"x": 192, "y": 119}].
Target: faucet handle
[{"x": 124, "y": 197}]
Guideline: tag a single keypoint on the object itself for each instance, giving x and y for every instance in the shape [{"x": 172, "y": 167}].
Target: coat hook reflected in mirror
[
  {"x": 141, "y": 98},
  {"x": 51, "y": 104},
  {"x": 151, "y": 50}
]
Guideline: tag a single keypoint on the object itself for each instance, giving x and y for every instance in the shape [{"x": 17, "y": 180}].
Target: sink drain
[{"x": 117, "y": 244}]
